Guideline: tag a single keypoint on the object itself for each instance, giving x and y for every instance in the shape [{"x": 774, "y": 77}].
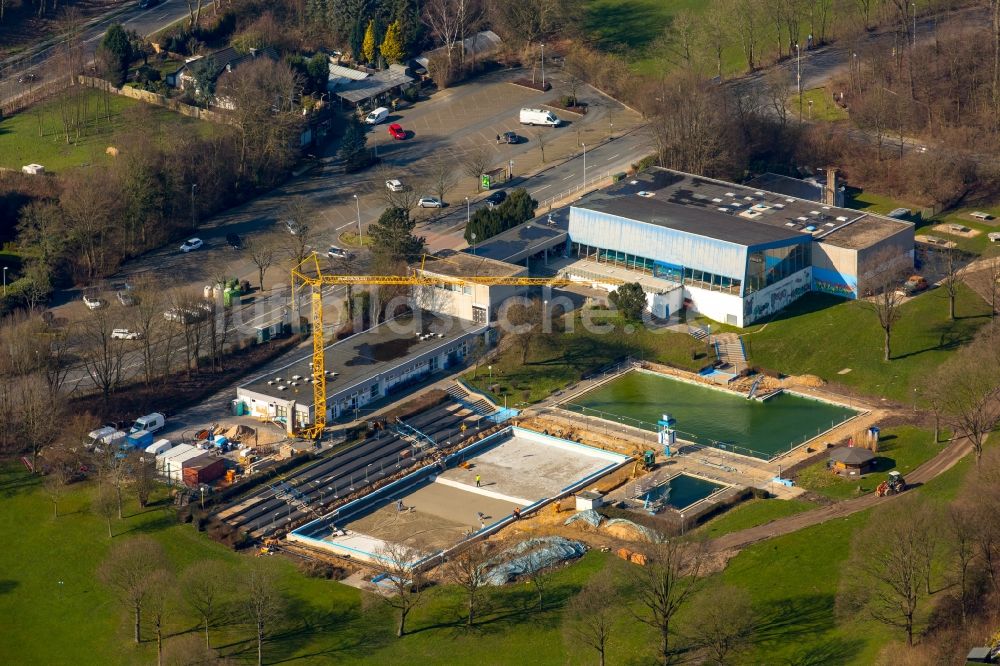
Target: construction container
[
  {"x": 171, "y": 462},
  {"x": 159, "y": 446},
  {"x": 203, "y": 469},
  {"x": 139, "y": 439}
]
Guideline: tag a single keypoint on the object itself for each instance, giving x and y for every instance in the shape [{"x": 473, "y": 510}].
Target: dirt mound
[
  {"x": 804, "y": 380},
  {"x": 625, "y": 532}
]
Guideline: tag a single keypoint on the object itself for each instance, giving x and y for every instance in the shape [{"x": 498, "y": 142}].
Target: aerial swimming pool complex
[{"x": 712, "y": 416}]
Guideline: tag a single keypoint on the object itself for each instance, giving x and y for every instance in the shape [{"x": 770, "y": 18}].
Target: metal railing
[{"x": 593, "y": 183}]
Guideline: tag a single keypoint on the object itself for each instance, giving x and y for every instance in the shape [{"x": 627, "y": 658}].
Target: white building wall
[{"x": 722, "y": 307}]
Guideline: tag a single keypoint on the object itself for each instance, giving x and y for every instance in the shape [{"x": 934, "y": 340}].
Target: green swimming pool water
[
  {"x": 711, "y": 416},
  {"x": 682, "y": 491}
]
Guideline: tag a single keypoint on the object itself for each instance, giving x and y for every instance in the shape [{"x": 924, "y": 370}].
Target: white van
[
  {"x": 539, "y": 117},
  {"x": 377, "y": 116},
  {"x": 150, "y": 422}
]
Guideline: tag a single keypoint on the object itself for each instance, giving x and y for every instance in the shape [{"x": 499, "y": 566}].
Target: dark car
[
  {"x": 234, "y": 241},
  {"x": 496, "y": 199},
  {"x": 27, "y": 78},
  {"x": 509, "y": 137}
]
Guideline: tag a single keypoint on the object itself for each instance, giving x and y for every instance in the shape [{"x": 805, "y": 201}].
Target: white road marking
[
  {"x": 345, "y": 226},
  {"x": 542, "y": 188},
  {"x": 613, "y": 157},
  {"x": 572, "y": 175}
]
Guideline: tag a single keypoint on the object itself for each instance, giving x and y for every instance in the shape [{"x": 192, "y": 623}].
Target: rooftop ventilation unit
[
  {"x": 811, "y": 228},
  {"x": 644, "y": 194},
  {"x": 296, "y": 377},
  {"x": 779, "y": 206},
  {"x": 724, "y": 209},
  {"x": 730, "y": 194},
  {"x": 826, "y": 208},
  {"x": 633, "y": 182},
  {"x": 802, "y": 219},
  {"x": 751, "y": 214},
  {"x": 841, "y": 218},
  {"x": 761, "y": 207},
  {"x": 759, "y": 193},
  {"x": 829, "y": 224},
  {"x": 281, "y": 388},
  {"x": 814, "y": 212},
  {"x": 790, "y": 200},
  {"x": 716, "y": 200}
]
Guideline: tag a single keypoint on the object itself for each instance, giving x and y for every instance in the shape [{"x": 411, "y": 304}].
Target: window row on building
[
  {"x": 766, "y": 267},
  {"x": 691, "y": 277}
]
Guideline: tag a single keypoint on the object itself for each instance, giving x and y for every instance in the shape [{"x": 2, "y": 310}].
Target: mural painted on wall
[
  {"x": 763, "y": 303},
  {"x": 835, "y": 288}
]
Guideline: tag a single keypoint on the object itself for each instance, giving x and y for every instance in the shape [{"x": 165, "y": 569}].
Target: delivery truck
[{"x": 539, "y": 117}]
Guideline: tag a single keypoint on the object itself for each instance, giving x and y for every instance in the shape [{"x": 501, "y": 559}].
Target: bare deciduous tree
[
  {"x": 881, "y": 277},
  {"x": 263, "y": 600},
  {"x": 406, "y": 586},
  {"x": 590, "y": 617},
  {"x": 105, "y": 505},
  {"x": 261, "y": 252},
  {"x": 128, "y": 570},
  {"x": 887, "y": 572},
  {"x": 662, "y": 586},
  {"x": 468, "y": 571},
  {"x": 968, "y": 391},
  {"x": 441, "y": 179},
  {"x": 103, "y": 356},
  {"x": 203, "y": 585},
  {"x": 477, "y": 162},
  {"x": 722, "y": 623},
  {"x": 54, "y": 489}
]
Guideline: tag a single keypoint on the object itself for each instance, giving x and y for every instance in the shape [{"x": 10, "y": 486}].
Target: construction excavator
[
  {"x": 310, "y": 274},
  {"x": 893, "y": 485}
]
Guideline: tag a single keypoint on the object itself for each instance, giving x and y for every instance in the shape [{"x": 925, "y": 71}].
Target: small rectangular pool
[
  {"x": 679, "y": 492},
  {"x": 710, "y": 416}
]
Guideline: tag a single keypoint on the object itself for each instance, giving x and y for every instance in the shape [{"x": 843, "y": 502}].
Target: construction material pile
[{"x": 530, "y": 556}]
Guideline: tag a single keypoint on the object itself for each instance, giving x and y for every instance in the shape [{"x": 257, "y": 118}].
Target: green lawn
[
  {"x": 901, "y": 448},
  {"x": 823, "y": 335},
  {"x": 978, "y": 245},
  {"x": 559, "y": 359},
  {"x": 874, "y": 202},
  {"x": 823, "y": 107},
  {"x": 36, "y": 135},
  {"x": 751, "y": 514}
]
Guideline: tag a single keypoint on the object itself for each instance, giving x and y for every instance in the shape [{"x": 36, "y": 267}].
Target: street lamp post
[
  {"x": 467, "y": 211},
  {"x": 798, "y": 76},
  {"x": 194, "y": 207},
  {"x": 4, "y": 280},
  {"x": 473, "y": 244},
  {"x": 914, "y": 24},
  {"x": 543, "y": 66},
  {"x": 202, "y": 489},
  {"x": 584, "y": 166},
  {"x": 357, "y": 203}
]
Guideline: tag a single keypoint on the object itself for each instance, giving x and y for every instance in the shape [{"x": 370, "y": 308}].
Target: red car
[{"x": 396, "y": 131}]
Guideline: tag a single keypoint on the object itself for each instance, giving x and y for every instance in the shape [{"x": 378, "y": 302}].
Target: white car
[
  {"x": 192, "y": 244},
  {"x": 293, "y": 227},
  {"x": 93, "y": 302},
  {"x": 394, "y": 185},
  {"x": 994, "y": 236},
  {"x": 430, "y": 202},
  {"x": 338, "y": 253},
  {"x": 125, "y": 334}
]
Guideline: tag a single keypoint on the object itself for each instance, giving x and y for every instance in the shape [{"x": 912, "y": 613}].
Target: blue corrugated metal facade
[{"x": 662, "y": 244}]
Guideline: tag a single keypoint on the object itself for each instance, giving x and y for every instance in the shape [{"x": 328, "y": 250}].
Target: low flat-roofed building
[
  {"x": 474, "y": 302},
  {"x": 363, "y": 368},
  {"x": 741, "y": 253}
]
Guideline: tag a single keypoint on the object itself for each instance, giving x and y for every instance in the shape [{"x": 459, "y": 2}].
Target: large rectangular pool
[{"x": 710, "y": 416}]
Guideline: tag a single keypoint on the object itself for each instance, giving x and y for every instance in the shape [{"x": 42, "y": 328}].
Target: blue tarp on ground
[
  {"x": 530, "y": 556},
  {"x": 588, "y": 516}
]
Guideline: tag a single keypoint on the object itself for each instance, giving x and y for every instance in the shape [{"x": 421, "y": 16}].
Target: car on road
[
  {"x": 509, "y": 137},
  {"x": 234, "y": 241},
  {"x": 430, "y": 202},
  {"x": 93, "y": 302},
  {"x": 396, "y": 131},
  {"x": 125, "y": 334},
  {"x": 394, "y": 185},
  {"x": 338, "y": 253},
  {"x": 126, "y": 297},
  {"x": 145, "y": 4},
  {"x": 27, "y": 78},
  {"x": 192, "y": 244},
  {"x": 294, "y": 228},
  {"x": 495, "y": 199}
]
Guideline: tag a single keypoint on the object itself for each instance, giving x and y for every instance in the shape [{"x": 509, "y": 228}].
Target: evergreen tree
[
  {"x": 115, "y": 51},
  {"x": 316, "y": 13},
  {"x": 407, "y": 14},
  {"x": 369, "y": 45},
  {"x": 519, "y": 207},
  {"x": 354, "y": 150},
  {"x": 392, "y": 46},
  {"x": 392, "y": 237},
  {"x": 630, "y": 300}
]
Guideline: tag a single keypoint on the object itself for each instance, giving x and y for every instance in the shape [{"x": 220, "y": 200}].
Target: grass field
[
  {"x": 558, "y": 359},
  {"x": 823, "y": 107},
  {"x": 751, "y": 514},
  {"x": 901, "y": 448},
  {"x": 37, "y": 136},
  {"x": 823, "y": 335},
  {"x": 55, "y": 612}
]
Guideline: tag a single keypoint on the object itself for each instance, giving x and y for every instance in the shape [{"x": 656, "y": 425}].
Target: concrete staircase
[
  {"x": 477, "y": 404},
  {"x": 731, "y": 352}
]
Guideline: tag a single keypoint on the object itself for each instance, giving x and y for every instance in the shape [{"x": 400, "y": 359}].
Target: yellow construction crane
[{"x": 310, "y": 273}]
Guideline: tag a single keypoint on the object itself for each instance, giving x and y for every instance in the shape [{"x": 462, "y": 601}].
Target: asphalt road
[{"x": 143, "y": 21}]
